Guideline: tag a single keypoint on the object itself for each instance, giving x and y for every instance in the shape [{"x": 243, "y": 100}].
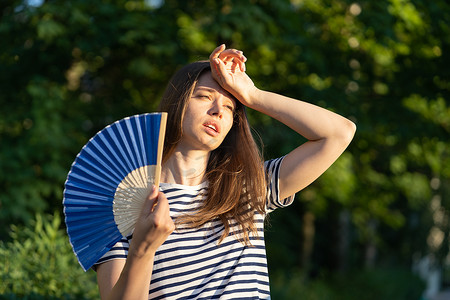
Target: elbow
[{"x": 347, "y": 132}]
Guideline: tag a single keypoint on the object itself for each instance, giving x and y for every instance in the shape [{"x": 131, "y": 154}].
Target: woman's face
[{"x": 208, "y": 117}]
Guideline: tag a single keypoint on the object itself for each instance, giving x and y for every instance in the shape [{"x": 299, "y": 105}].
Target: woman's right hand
[
  {"x": 228, "y": 69},
  {"x": 130, "y": 279},
  {"x": 153, "y": 226}
]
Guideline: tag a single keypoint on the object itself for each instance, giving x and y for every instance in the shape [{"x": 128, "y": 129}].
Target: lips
[{"x": 212, "y": 127}]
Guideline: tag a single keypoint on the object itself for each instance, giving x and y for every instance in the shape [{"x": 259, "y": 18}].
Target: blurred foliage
[
  {"x": 39, "y": 264},
  {"x": 69, "y": 68},
  {"x": 376, "y": 284}
]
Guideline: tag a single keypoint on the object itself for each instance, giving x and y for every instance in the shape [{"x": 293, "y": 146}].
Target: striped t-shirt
[{"x": 192, "y": 265}]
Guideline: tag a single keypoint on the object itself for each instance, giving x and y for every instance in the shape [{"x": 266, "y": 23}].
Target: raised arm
[
  {"x": 130, "y": 279},
  {"x": 328, "y": 133}
]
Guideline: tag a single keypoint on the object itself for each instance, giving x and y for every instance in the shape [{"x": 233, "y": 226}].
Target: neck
[{"x": 186, "y": 168}]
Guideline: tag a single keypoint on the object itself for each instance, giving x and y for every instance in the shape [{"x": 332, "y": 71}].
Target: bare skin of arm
[
  {"x": 130, "y": 278},
  {"x": 328, "y": 133}
]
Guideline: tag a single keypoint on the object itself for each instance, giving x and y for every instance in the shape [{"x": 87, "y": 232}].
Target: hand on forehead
[{"x": 229, "y": 55}]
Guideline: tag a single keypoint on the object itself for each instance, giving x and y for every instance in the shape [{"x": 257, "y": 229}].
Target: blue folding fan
[{"x": 109, "y": 181}]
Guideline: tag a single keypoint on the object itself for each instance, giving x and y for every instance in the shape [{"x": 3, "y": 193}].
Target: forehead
[{"x": 208, "y": 83}]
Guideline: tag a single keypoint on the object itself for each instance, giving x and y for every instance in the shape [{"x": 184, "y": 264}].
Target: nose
[{"x": 216, "y": 109}]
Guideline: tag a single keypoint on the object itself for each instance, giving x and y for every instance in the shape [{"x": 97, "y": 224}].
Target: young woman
[{"x": 200, "y": 235}]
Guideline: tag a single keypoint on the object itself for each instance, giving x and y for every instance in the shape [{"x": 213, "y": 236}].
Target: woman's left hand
[{"x": 228, "y": 69}]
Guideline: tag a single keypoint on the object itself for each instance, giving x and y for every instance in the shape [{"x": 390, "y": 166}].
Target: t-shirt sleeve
[
  {"x": 118, "y": 251},
  {"x": 273, "y": 200}
]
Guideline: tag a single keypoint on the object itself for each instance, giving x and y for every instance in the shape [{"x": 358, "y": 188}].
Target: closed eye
[{"x": 204, "y": 96}]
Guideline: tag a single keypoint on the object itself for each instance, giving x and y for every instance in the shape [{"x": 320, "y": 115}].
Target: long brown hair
[{"x": 235, "y": 173}]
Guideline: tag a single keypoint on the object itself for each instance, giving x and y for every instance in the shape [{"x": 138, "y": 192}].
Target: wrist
[
  {"x": 250, "y": 97},
  {"x": 143, "y": 252}
]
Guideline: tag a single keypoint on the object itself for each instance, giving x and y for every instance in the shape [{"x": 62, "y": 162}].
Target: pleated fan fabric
[{"x": 108, "y": 182}]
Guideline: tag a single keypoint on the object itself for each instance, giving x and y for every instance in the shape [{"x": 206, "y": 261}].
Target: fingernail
[{"x": 216, "y": 60}]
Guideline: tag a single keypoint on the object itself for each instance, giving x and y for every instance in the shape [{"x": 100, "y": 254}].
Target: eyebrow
[{"x": 211, "y": 90}]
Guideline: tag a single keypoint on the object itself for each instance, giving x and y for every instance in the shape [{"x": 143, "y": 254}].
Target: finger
[
  {"x": 161, "y": 215},
  {"x": 218, "y": 67},
  {"x": 232, "y": 53},
  {"x": 242, "y": 66},
  {"x": 216, "y": 52},
  {"x": 234, "y": 66},
  {"x": 215, "y": 67},
  {"x": 150, "y": 201},
  {"x": 239, "y": 63},
  {"x": 227, "y": 58},
  {"x": 163, "y": 204}
]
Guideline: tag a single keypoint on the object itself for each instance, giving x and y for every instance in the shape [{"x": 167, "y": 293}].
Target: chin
[{"x": 212, "y": 144}]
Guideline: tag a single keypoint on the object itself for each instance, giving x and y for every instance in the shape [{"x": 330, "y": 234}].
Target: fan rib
[{"x": 109, "y": 182}]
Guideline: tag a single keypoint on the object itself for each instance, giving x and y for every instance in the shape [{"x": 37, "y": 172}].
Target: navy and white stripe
[
  {"x": 192, "y": 265},
  {"x": 273, "y": 173}
]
